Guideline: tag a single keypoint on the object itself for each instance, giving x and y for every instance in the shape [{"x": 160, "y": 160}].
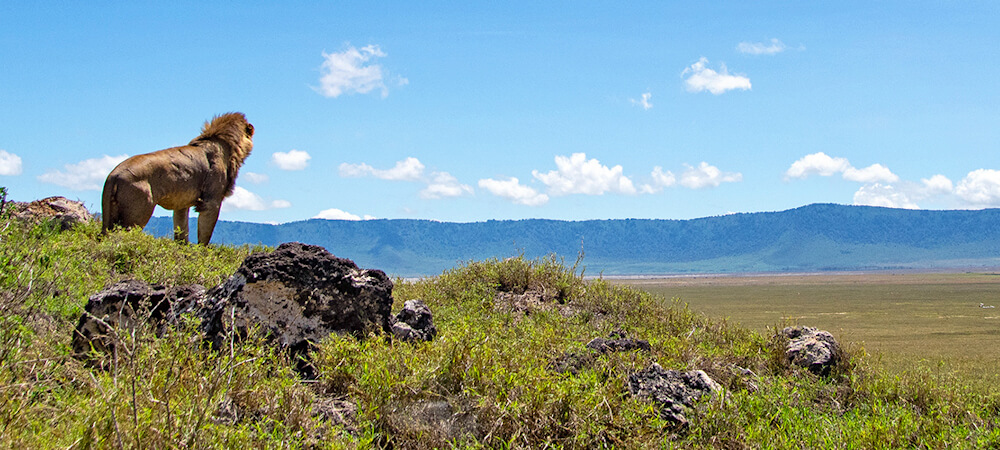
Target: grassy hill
[
  {"x": 810, "y": 238},
  {"x": 486, "y": 381}
]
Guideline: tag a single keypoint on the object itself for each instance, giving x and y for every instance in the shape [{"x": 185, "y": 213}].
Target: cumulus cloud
[
  {"x": 255, "y": 178},
  {"x": 701, "y": 78},
  {"x": 872, "y": 174},
  {"x": 762, "y": 48},
  {"x": 707, "y": 175},
  {"x": 513, "y": 190},
  {"x": 291, "y": 160},
  {"x": 644, "y": 102},
  {"x": 439, "y": 184},
  {"x": 336, "y": 214},
  {"x": 10, "y": 164},
  {"x": 661, "y": 179},
  {"x": 444, "y": 185},
  {"x": 824, "y": 165},
  {"x": 86, "y": 175},
  {"x": 578, "y": 175},
  {"x": 409, "y": 169},
  {"x": 354, "y": 71},
  {"x": 243, "y": 199},
  {"x": 980, "y": 188},
  {"x": 817, "y": 164},
  {"x": 885, "y": 195},
  {"x": 937, "y": 185}
]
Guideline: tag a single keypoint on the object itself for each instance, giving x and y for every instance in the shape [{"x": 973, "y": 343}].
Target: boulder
[
  {"x": 673, "y": 390},
  {"x": 812, "y": 349},
  {"x": 414, "y": 322},
  {"x": 298, "y": 295},
  {"x": 61, "y": 210},
  {"x": 125, "y": 305}
]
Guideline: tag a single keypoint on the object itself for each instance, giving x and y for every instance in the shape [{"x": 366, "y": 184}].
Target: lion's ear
[{"x": 249, "y": 130}]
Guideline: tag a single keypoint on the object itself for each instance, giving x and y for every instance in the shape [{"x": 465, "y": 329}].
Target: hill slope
[{"x": 810, "y": 238}]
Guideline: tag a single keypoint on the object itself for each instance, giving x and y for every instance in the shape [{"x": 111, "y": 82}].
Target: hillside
[
  {"x": 513, "y": 365},
  {"x": 811, "y": 238}
]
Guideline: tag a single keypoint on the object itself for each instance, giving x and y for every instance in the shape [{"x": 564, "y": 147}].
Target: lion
[{"x": 200, "y": 174}]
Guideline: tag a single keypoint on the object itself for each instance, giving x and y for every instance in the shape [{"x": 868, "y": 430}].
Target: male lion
[{"x": 199, "y": 174}]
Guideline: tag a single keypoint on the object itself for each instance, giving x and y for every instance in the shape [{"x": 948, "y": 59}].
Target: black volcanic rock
[{"x": 296, "y": 296}]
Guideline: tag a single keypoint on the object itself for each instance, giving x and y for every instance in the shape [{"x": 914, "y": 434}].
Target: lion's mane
[{"x": 200, "y": 174}]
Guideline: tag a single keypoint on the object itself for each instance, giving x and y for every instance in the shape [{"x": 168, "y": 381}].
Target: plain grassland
[{"x": 909, "y": 320}]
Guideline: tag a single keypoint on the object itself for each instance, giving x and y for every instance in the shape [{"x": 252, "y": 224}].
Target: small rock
[
  {"x": 812, "y": 349},
  {"x": 414, "y": 322},
  {"x": 671, "y": 389},
  {"x": 618, "y": 342}
]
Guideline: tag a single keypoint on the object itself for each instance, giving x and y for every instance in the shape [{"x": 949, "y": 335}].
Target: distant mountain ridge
[{"x": 818, "y": 237}]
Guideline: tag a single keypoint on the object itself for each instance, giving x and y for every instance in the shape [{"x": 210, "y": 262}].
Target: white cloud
[
  {"x": 578, "y": 175},
  {"x": 513, "y": 190},
  {"x": 707, "y": 175},
  {"x": 443, "y": 185},
  {"x": 885, "y": 195},
  {"x": 980, "y": 188},
  {"x": 336, "y": 214},
  {"x": 817, "y": 164},
  {"x": 704, "y": 79},
  {"x": 824, "y": 165},
  {"x": 243, "y": 199},
  {"x": 353, "y": 71},
  {"x": 872, "y": 174},
  {"x": 255, "y": 178},
  {"x": 937, "y": 185},
  {"x": 661, "y": 179},
  {"x": 762, "y": 48},
  {"x": 644, "y": 103},
  {"x": 409, "y": 169},
  {"x": 10, "y": 164},
  {"x": 86, "y": 175},
  {"x": 291, "y": 160}
]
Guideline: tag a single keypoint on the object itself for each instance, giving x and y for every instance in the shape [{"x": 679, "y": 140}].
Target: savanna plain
[{"x": 946, "y": 322}]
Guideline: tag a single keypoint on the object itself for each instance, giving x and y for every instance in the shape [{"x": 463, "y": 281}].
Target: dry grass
[{"x": 925, "y": 320}]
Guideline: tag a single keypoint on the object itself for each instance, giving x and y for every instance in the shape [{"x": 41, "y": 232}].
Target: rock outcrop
[
  {"x": 296, "y": 296},
  {"x": 672, "y": 390},
  {"x": 812, "y": 349},
  {"x": 63, "y": 211}
]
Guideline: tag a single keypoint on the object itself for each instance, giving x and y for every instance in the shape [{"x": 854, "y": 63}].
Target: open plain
[{"x": 923, "y": 321}]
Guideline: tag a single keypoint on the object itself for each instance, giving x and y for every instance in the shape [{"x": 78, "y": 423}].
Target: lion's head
[{"x": 233, "y": 130}]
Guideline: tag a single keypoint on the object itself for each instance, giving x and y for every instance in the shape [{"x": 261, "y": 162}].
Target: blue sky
[{"x": 461, "y": 111}]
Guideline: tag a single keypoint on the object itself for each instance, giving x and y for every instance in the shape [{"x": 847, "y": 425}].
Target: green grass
[{"x": 484, "y": 382}]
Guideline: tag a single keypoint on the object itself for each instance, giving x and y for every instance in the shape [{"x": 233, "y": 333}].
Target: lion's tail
[{"x": 111, "y": 215}]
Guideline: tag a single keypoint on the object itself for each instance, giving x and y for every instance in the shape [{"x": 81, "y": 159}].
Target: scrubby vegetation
[{"x": 487, "y": 380}]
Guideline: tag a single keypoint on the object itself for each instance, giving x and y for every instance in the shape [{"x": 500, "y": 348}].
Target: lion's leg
[
  {"x": 134, "y": 205},
  {"x": 181, "y": 225},
  {"x": 208, "y": 214}
]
